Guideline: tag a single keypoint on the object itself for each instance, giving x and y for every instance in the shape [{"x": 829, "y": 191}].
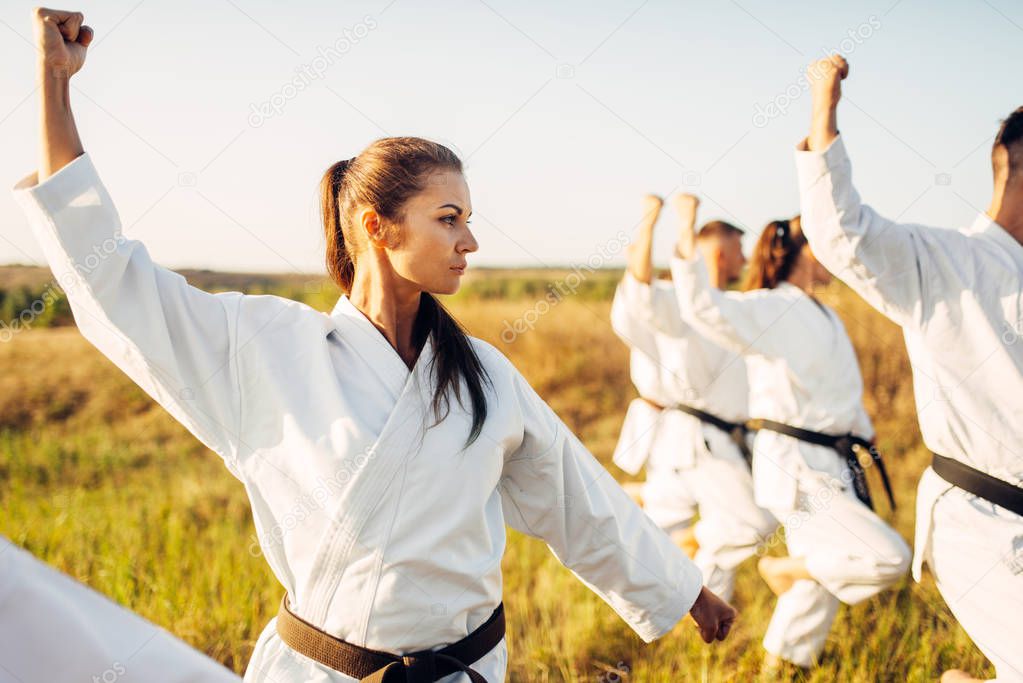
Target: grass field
[{"x": 98, "y": 481}]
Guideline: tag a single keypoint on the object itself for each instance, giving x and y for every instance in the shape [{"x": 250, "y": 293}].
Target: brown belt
[{"x": 374, "y": 666}]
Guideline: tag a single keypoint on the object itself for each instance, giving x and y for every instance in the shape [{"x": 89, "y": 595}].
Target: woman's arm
[
  {"x": 554, "y": 489},
  {"x": 178, "y": 343},
  {"x": 739, "y": 321}
]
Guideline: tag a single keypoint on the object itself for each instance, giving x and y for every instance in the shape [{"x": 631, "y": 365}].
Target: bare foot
[
  {"x": 958, "y": 676},
  {"x": 775, "y": 572},
  {"x": 686, "y": 539}
]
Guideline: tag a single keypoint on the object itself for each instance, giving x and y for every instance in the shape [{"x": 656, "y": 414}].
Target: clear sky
[{"x": 565, "y": 112}]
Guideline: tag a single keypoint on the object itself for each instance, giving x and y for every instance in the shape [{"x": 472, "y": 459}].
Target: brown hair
[
  {"x": 775, "y": 254},
  {"x": 717, "y": 229},
  {"x": 385, "y": 176},
  {"x": 1010, "y": 135}
]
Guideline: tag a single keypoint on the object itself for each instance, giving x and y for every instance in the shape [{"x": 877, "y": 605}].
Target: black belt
[
  {"x": 736, "y": 430},
  {"x": 374, "y": 666},
  {"x": 845, "y": 445},
  {"x": 991, "y": 489}
]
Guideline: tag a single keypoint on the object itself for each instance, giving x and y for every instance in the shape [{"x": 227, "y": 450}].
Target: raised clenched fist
[
  {"x": 825, "y": 76},
  {"x": 652, "y": 205},
  {"x": 61, "y": 40},
  {"x": 686, "y": 203}
]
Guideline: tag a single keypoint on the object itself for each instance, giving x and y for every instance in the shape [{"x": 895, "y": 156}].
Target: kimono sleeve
[
  {"x": 739, "y": 321},
  {"x": 652, "y": 305},
  {"x": 885, "y": 262},
  {"x": 173, "y": 340},
  {"x": 553, "y": 489}
]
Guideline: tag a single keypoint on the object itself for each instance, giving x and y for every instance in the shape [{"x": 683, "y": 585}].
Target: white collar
[
  {"x": 345, "y": 314},
  {"x": 983, "y": 224}
]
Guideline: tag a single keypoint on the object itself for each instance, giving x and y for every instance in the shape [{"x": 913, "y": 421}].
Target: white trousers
[
  {"x": 731, "y": 526},
  {"x": 719, "y": 485},
  {"x": 667, "y": 499},
  {"x": 54, "y": 629},
  {"x": 976, "y": 555},
  {"x": 850, "y": 552}
]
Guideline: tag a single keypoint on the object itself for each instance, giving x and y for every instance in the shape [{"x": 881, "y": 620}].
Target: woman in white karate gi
[
  {"x": 958, "y": 296},
  {"x": 407, "y": 444},
  {"x": 802, "y": 373},
  {"x": 689, "y": 458}
]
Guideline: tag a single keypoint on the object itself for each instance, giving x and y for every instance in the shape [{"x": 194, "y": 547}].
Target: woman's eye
[{"x": 450, "y": 220}]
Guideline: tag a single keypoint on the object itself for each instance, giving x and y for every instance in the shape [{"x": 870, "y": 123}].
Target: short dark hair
[
  {"x": 718, "y": 229},
  {"x": 1010, "y": 136}
]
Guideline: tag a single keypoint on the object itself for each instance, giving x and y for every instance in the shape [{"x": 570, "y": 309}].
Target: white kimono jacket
[
  {"x": 671, "y": 362},
  {"x": 802, "y": 372},
  {"x": 382, "y": 528},
  {"x": 958, "y": 296}
]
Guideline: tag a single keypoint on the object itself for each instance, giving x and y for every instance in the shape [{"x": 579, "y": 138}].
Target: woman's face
[{"x": 434, "y": 240}]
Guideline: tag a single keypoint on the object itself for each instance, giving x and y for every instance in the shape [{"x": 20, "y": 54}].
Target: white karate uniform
[
  {"x": 802, "y": 372},
  {"x": 54, "y": 629},
  {"x": 385, "y": 530},
  {"x": 646, "y": 437},
  {"x": 958, "y": 296},
  {"x": 695, "y": 461}
]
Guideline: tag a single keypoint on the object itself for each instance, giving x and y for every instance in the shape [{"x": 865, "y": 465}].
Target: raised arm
[
  {"x": 640, "y": 263},
  {"x": 884, "y": 261},
  {"x": 644, "y": 306},
  {"x": 740, "y": 322},
  {"x": 61, "y": 40},
  {"x": 176, "y": 342},
  {"x": 554, "y": 489}
]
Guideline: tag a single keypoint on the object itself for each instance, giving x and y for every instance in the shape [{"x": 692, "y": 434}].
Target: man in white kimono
[
  {"x": 958, "y": 296},
  {"x": 700, "y": 455}
]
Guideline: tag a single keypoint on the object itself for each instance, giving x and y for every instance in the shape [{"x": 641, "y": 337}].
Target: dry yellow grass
[{"x": 101, "y": 483}]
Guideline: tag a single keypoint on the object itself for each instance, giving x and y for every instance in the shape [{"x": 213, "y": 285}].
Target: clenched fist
[
  {"x": 713, "y": 616},
  {"x": 825, "y": 76},
  {"x": 652, "y": 205},
  {"x": 61, "y": 40}
]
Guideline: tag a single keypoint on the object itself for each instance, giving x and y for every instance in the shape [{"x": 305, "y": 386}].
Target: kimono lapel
[
  {"x": 374, "y": 470},
  {"x": 365, "y": 339}
]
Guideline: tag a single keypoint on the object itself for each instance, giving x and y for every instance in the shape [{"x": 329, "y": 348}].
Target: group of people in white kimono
[
  {"x": 420, "y": 443},
  {"x": 769, "y": 373}
]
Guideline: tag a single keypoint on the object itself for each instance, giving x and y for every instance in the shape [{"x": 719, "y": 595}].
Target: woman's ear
[{"x": 373, "y": 227}]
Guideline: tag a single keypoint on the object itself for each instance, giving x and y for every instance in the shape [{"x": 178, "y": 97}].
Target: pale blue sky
[{"x": 565, "y": 113}]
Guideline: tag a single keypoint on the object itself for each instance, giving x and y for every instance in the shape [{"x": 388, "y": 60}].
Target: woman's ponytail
[
  {"x": 775, "y": 254},
  {"x": 340, "y": 265}
]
